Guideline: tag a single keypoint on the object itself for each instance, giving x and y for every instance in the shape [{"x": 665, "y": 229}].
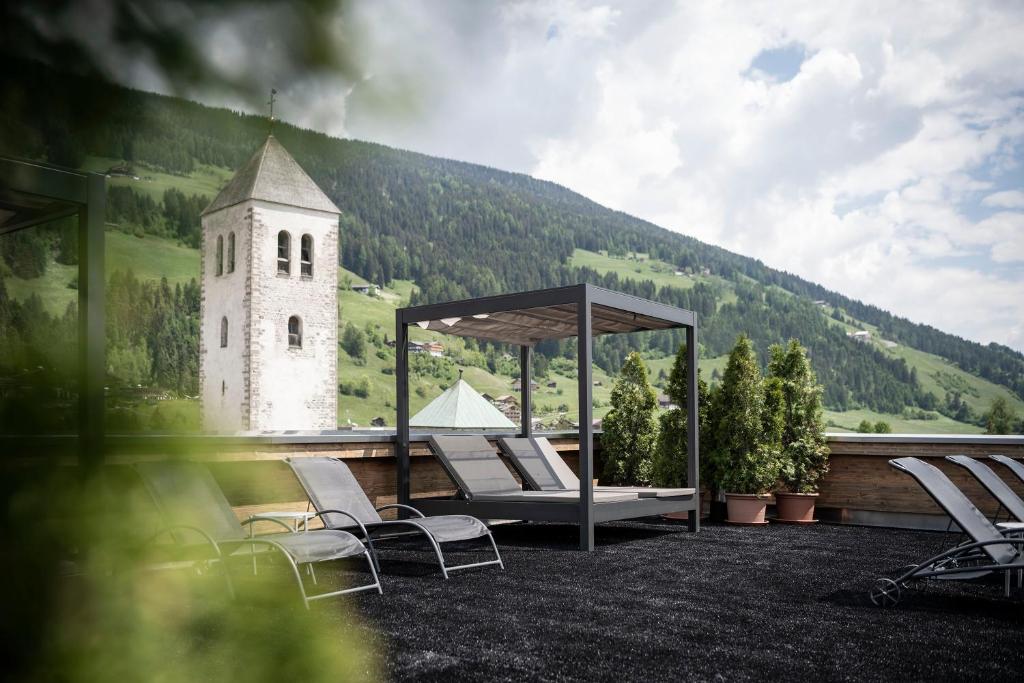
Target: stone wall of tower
[
  {"x": 223, "y": 371},
  {"x": 293, "y": 388}
]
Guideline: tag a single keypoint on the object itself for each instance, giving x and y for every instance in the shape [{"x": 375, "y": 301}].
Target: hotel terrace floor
[{"x": 658, "y": 603}]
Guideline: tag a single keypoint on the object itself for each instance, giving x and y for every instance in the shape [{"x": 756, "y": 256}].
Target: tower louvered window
[
  {"x": 306, "y": 256},
  {"x": 284, "y": 253}
]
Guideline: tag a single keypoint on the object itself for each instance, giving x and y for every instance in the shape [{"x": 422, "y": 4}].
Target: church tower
[{"x": 269, "y": 336}]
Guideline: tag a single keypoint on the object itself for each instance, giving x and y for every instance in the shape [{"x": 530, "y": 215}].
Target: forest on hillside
[{"x": 457, "y": 230}]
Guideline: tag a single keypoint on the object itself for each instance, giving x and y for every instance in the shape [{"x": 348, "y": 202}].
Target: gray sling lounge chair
[
  {"x": 1006, "y": 496},
  {"x": 193, "y": 506},
  {"x": 988, "y": 551},
  {"x": 480, "y": 474},
  {"x": 544, "y": 470},
  {"x": 1015, "y": 466},
  {"x": 341, "y": 503}
]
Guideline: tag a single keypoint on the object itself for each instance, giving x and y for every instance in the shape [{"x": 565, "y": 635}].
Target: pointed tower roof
[
  {"x": 272, "y": 175},
  {"x": 461, "y": 407}
]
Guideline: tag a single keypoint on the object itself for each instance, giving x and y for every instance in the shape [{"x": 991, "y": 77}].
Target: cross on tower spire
[{"x": 273, "y": 94}]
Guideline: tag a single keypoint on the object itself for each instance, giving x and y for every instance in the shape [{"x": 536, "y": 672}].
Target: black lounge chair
[
  {"x": 989, "y": 550},
  {"x": 340, "y": 503},
  {"x": 999, "y": 489},
  {"x": 480, "y": 474},
  {"x": 195, "y": 511},
  {"x": 544, "y": 470}
]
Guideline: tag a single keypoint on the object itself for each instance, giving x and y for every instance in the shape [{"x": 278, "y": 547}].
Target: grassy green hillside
[
  {"x": 149, "y": 257},
  {"x": 152, "y": 258},
  {"x": 935, "y": 374}
]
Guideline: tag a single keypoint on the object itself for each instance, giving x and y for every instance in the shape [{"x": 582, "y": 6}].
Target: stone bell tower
[{"x": 269, "y": 336}]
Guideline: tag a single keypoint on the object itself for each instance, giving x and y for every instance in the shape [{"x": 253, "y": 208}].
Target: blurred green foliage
[{"x": 90, "y": 595}]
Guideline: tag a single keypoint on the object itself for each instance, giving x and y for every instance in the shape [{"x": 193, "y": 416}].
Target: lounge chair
[
  {"x": 341, "y": 504},
  {"x": 1006, "y": 496},
  {"x": 544, "y": 470},
  {"x": 193, "y": 506},
  {"x": 1015, "y": 466},
  {"x": 988, "y": 551},
  {"x": 480, "y": 474}
]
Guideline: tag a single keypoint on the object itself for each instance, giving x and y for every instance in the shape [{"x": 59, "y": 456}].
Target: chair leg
[
  {"x": 496, "y": 553},
  {"x": 373, "y": 551},
  {"x": 440, "y": 556},
  {"x": 373, "y": 571}
]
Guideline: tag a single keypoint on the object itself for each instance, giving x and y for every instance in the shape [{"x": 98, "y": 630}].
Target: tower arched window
[
  {"x": 220, "y": 255},
  {"x": 284, "y": 252},
  {"x": 231, "y": 252},
  {"x": 294, "y": 332},
  {"x": 306, "y": 256},
  {"x": 223, "y": 332}
]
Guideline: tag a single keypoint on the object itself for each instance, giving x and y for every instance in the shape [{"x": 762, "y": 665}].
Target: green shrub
[
  {"x": 671, "y": 455},
  {"x": 629, "y": 428},
  {"x": 746, "y": 457},
  {"x": 804, "y": 451}
]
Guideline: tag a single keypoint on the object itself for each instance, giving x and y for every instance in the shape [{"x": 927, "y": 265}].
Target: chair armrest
[
  {"x": 206, "y": 537},
  {"x": 321, "y": 513},
  {"x": 402, "y": 507},
  {"x": 253, "y": 520}
]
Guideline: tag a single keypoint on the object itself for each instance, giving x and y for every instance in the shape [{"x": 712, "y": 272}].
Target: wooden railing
[{"x": 860, "y": 487}]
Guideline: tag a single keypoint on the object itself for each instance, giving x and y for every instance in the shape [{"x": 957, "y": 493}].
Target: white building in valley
[{"x": 269, "y": 337}]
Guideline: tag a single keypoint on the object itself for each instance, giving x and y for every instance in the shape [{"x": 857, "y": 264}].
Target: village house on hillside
[
  {"x": 517, "y": 385},
  {"x": 508, "y": 405},
  {"x": 435, "y": 349}
]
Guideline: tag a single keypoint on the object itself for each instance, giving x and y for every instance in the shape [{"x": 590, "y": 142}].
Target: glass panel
[
  {"x": 153, "y": 306},
  {"x": 39, "y": 329}
]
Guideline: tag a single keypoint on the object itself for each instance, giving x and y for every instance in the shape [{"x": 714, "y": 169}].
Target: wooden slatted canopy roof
[{"x": 530, "y": 317}]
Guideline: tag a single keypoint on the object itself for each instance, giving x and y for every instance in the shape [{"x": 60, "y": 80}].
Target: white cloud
[
  {"x": 1009, "y": 199},
  {"x": 888, "y": 168},
  {"x": 864, "y": 172}
]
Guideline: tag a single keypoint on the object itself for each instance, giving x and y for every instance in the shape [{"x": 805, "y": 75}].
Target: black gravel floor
[{"x": 657, "y": 602}]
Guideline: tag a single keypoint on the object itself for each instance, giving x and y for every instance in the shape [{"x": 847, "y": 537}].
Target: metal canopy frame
[
  {"x": 34, "y": 193},
  {"x": 524, "y": 319}
]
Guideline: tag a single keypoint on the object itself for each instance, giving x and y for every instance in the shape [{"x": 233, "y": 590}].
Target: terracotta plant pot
[
  {"x": 797, "y": 508},
  {"x": 746, "y": 508}
]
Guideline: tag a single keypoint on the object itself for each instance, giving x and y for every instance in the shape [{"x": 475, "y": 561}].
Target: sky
[{"x": 875, "y": 148}]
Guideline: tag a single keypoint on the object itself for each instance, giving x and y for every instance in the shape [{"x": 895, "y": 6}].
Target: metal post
[
  {"x": 402, "y": 464},
  {"x": 526, "y": 393},
  {"x": 693, "y": 424},
  {"x": 91, "y": 323},
  {"x": 584, "y": 357}
]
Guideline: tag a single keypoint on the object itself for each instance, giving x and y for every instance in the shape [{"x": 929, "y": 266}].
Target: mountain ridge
[{"x": 461, "y": 229}]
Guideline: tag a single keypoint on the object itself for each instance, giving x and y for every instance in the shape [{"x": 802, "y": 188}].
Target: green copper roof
[
  {"x": 272, "y": 175},
  {"x": 460, "y": 407}
]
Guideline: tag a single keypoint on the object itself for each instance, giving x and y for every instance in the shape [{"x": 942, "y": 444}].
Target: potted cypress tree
[
  {"x": 804, "y": 451},
  {"x": 670, "y": 455},
  {"x": 629, "y": 430},
  {"x": 748, "y": 419}
]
